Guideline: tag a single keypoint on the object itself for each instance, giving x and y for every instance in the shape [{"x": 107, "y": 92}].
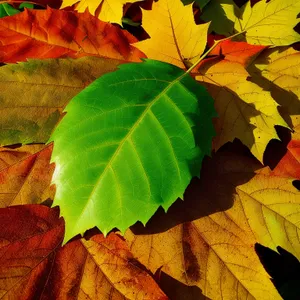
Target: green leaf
[
  {"x": 26, "y": 5},
  {"x": 222, "y": 15},
  {"x": 201, "y": 3},
  {"x": 270, "y": 23},
  {"x": 7, "y": 10},
  {"x": 130, "y": 142}
]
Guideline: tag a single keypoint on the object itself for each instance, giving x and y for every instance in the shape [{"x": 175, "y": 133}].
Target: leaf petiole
[{"x": 210, "y": 49}]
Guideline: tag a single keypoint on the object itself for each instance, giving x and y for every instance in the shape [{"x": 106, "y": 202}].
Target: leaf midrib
[
  {"x": 128, "y": 136},
  {"x": 265, "y": 17}
]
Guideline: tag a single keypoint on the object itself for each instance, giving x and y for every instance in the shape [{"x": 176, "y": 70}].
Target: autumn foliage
[{"x": 149, "y": 149}]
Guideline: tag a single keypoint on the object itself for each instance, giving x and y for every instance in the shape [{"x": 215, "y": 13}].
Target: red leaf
[
  {"x": 56, "y": 33},
  {"x": 29, "y": 238},
  {"x": 289, "y": 165},
  {"x": 240, "y": 52}
]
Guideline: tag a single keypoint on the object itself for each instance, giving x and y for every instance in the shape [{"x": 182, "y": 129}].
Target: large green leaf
[{"x": 130, "y": 142}]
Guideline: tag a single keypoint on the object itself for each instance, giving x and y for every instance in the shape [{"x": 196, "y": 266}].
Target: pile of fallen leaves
[{"x": 109, "y": 109}]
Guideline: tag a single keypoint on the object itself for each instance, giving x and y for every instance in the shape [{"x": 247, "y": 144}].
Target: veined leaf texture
[
  {"x": 149, "y": 150},
  {"x": 140, "y": 150}
]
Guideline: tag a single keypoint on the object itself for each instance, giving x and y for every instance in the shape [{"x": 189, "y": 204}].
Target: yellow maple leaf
[
  {"x": 270, "y": 23},
  {"x": 280, "y": 69},
  {"x": 245, "y": 110},
  {"x": 208, "y": 241},
  {"x": 174, "y": 36},
  {"x": 110, "y": 10}
]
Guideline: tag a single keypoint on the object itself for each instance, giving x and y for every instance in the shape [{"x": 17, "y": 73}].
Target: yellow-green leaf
[
  {"x": 222, "y": 15},
  {"x": 270, "y": 23},
  {"x": 279, "y": 69},
  {"x": 34, "y": 93}
]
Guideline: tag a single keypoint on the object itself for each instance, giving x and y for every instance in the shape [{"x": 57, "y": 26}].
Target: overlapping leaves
[
  {"x": 132, "y": 141},
  {"x": 138, "y": 149}
]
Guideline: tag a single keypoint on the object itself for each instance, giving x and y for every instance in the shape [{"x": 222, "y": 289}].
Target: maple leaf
[
  {"x": 157, "y": 135},
  {"x": 208, "y": 242},
  {"x": 174, "y": 36},
  {"x": 245, "y": 110},
  {"x": 201, "y": 3},
  {"x": 240, "y": 52},
  {"x": 110, "y": 10},
  {"x": 280, "y": 66},
  {"x": 269, "y": 23},
  {"x": 33, "y": 94},
  {"x": 26, "y": 176},
  {"x": 56, "y": 33},
  {"x": 222, "y": 15},
  {"x": 34, "y": 266}
]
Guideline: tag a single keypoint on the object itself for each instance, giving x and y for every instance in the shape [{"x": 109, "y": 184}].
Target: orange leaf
[
  {"x": 56, "y": 33},
  {"x": 208, "y": 239},
  {"x": 34, "y": 266},
  {"x": 289, "y": 165},
  {"x": 30, "y": 236},
  {"x": 27, "y": 175},
  {"x": 100, "y": 268},
  {"x": 240, "y": 52}
]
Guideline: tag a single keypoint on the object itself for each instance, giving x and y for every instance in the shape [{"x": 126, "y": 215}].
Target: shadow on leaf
[
  {"x": 212, "y": 193},
  {"x": 284, "y": 268},
  {"x": 176, "y": 290}
]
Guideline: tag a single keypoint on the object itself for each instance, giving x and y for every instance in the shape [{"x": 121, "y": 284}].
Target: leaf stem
[{"x": 210, "y": 49}]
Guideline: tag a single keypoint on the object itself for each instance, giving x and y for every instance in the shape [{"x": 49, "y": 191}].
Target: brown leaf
[
  {"x": 207, "y": 241},
  {"x": 100, "y": 268},
  {"x": 27, "y": 175},
  {"x": 34, "y": 266},
  {"x": 29, "y": 238},
  {"x": 34, "y": 94}
]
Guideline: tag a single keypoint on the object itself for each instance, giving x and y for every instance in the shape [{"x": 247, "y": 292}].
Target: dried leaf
[
  {"x": 100, "y": 268},
  {"x": 33, "y": 94},
  {"x": 245, "y": 110},
  {"x": 208, "y": 242},
  {"x": 56, "y": 33},
  {"x": 34, "y": 266},
  {"x": 280, "y": 66},
  {"x": 29, "y": 239},
  {"x": 26, "y": 180}
]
